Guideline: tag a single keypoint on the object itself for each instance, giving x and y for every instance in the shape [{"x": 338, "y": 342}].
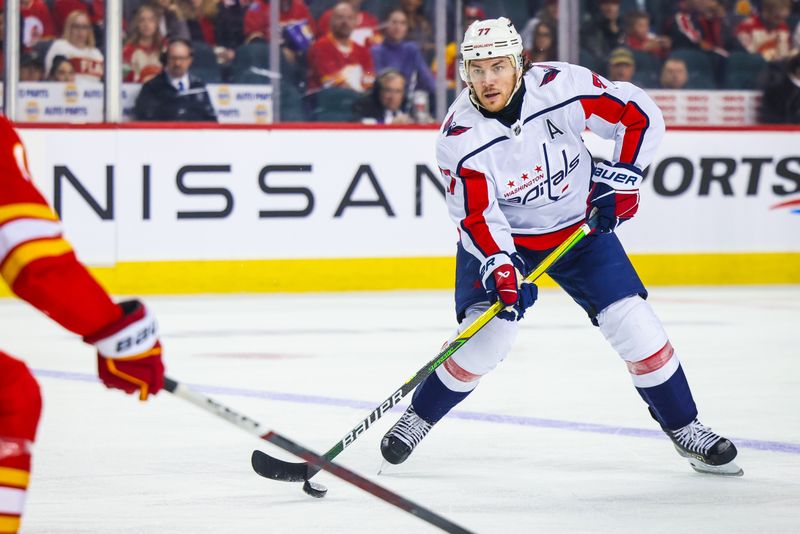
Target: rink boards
[{"x": 165, "y": 210}]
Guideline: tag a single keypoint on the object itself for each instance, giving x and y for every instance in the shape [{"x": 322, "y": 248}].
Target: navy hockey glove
[
  {"x": 503, "y": 280},
  {"x": 615, "y": 194}
]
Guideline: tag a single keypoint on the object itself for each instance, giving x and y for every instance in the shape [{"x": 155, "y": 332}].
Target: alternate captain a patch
[{"x": 451, "y": 128}]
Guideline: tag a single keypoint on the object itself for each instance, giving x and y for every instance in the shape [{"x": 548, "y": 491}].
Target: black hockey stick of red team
[
  {"x": 317, "y": 490},
  {"x": 275, "y": 469}
]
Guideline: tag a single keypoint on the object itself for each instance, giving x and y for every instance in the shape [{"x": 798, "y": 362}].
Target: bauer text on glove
[
  {"x": 614, "y": 193},
  {"x": 129, "y": 352}
]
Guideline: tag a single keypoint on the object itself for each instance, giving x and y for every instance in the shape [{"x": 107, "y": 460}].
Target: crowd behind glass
[{"x": 373, "y": 61}]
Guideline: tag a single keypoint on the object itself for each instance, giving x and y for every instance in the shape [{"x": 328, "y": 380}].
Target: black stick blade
[{"x": 272, "y": 468}]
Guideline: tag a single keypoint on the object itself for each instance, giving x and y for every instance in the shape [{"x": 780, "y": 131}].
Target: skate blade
[
  {"x": 383, "y": 467},
  {"x": 729, "y": 470}
]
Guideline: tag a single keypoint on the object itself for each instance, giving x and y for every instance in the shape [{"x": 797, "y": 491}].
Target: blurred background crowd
[{"x": 373, "y": 61}]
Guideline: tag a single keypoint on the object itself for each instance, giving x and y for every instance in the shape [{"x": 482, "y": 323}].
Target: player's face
[{"x": 493, "y": 81}]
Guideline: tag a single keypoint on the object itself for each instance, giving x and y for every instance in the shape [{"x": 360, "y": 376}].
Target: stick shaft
[
  {"x": 446, "y": 352},
  {"x": 257, "y": 429}
]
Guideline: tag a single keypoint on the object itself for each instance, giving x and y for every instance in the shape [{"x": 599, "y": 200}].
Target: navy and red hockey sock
[
  {"x": 432, "y": 399},
  {"x": 671, "y": 403}
]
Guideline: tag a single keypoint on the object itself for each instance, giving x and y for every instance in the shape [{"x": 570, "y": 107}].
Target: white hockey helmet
[{"x": 490, "y": 38}]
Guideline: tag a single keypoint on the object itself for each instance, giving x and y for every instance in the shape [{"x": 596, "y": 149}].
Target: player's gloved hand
[
  {"x": 615, "y": 194},
  {"x": 502, "y": 280},
  {"x": 129, "y": 352}
]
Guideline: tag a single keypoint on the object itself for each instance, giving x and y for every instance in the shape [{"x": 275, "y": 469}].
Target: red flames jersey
[{"x": 36, "y": 261}]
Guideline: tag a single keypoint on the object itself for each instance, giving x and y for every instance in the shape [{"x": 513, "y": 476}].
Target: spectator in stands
[
  {"x": 175, "y": 95},
  {"x": 621, "y": 65},
  {"x": 548, "y": 14},
  {"x": 77, "y": 45},
  {"x": 141, "y": 55},
  {"x": 387, "y": 102},
  {"x": 674, "y": 74},
  {"x": 600, "y": 36},
  {"x": 295, "y": 20},
  {"x": 36, "y": 22},
  {"x": 420, "y": 29},
  {"x": 544, "y": 46},
  {"x": 405, "y": 56},
  {"x": 781, "y": 101},
  {"x": 200, "y": 18},
  {"x": 366, "y": 31},
  {"x": 659, "y": 11},
  {"x": 170, "y": 20},
  {"x": 205, "y": 19},
  {"x": 31, "y": 67},
  {"x": 767, "y": 34},
  {"x": 470, "y": 15},
  {"x": 61, "y": 71},
  {"x": 639, "y": 37},
  {"x": 700, "y": 25},
  {"x": 94, "y": 9},
  {"x": 335, "y": 60},
  {"x": 229, "y": 26},
  {"x": 796, "y": 39}
]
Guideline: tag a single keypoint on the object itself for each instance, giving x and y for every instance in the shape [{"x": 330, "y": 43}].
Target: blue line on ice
[{"x": 772, "y": 446}]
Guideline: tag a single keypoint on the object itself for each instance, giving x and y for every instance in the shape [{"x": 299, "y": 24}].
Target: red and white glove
[
  {"x": 129, "y": 352},
  {"x": 614, "y": 193}
]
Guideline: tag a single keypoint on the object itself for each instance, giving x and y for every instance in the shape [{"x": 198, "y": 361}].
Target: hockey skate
[
  {"x": 401, "y": 439},
  {"x": 706, "y": 451}
]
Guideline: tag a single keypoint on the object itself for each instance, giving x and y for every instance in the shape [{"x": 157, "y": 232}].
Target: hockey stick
[
  {"x": 270, "y": 467},
  {"x": 257, "y": 429}
]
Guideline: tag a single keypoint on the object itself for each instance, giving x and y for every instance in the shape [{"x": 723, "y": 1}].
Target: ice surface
[{"x": 555, "y": 440}]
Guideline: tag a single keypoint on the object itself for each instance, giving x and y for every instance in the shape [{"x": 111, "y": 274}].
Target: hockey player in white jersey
[{"x": 519, "y": 181}]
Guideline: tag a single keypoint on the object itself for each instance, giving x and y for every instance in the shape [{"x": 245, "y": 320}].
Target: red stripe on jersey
[
  {"x": 652, "y": 363},
  {"x": 629, "y": 115},
  {"x": 476, "y": 191},
  {"x": 545, "y": 241},
  {"x": 458, "y": 372}
]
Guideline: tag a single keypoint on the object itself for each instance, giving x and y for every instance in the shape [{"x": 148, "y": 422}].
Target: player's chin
[{"x": 492, "y": 101}]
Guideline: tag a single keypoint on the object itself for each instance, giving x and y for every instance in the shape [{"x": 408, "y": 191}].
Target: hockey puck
[{"x": 317, "y": 491}]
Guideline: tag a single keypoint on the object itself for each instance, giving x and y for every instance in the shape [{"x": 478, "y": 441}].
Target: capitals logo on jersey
[
  {"x": 550, "y": 74},
  {"x": 549, "y": 183},
  {"x": 451, "y": 128}
]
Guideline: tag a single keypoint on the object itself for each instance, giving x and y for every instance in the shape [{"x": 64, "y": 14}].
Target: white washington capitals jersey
[{"x": 525, "y": 183}]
